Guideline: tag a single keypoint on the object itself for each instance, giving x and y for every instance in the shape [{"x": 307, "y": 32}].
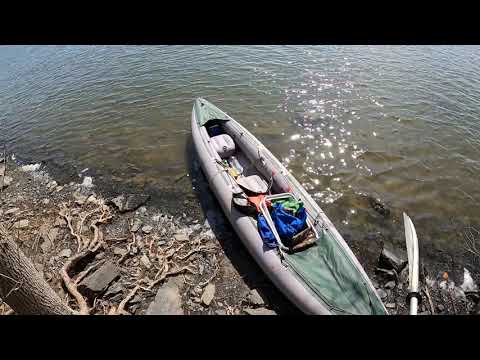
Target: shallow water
[{"x": 399, "y": 123}]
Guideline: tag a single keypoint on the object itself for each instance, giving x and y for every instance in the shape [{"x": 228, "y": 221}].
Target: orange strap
[{"x": 256, "y": 200}]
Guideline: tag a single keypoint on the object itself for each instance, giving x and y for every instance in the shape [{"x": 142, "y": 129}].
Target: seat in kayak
[{"x": 223, "y": 145}]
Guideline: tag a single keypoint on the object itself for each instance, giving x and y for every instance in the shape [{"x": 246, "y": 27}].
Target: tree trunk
[{"x": 22, "y": 287}]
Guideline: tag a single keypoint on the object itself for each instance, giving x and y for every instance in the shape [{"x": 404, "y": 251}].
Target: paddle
[{"x": 413, "y": 259}]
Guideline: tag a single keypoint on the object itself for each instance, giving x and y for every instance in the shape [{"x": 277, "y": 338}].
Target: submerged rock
[
  {"x": 129, "y": 202},
  {"x": 31, "y": 167},
  {"x": 87, "y": 182}
]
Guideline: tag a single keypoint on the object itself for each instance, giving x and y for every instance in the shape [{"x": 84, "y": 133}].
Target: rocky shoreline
[{"x": 151, "y": 262}]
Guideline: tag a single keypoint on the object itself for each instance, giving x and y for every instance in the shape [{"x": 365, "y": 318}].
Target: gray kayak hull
[{"x": 268, "y": 259}]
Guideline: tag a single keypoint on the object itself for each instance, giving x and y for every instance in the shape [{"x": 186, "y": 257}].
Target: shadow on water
[{"x": 231, "y": 244}]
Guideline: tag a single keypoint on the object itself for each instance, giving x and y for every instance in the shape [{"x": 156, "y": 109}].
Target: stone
[
  {"x": 468, "y": 283},
  {"x": 113, "y": 290},
  {"x": 22, "y": 224},
  {"x": 7, "y": 181},
  {"x": 136, "y": 225},
  {"x": 379, "y": 207},
  {"x": 87, "y": 182},
  {"x": 65, "y": 253},
  {"x": 255, "y": 298},
  {"x": 129, "y": 202},
  {"x": 59, "y": 188},
  {"x": 382, "y": 294},
  {"x": 390, "y": 305},
  {"x": 59, "y": 221},
  {"x": 208, "y": 294},
  {"x": 45, "y": 201},
  {"x": 119, "y": 251},
  {"x": 99, "y": 280},
  {"x": 31, "y": 167},
  {"x": 79, "y": 198},
  {"x": 12, "y": 211},
  {"x": 220, "y": 312},
  {"x": 146, "y": 261},
  {"x": 142, "y": 210},
  {"x": 390, "y": 285},
  {"x": 92, "y": 199},
  {"x": 156, "y": 218},
  {"x": 52, "y": 185},
  {"x": 180, "y": 237},
  {"x": 390, "y": 259},
  {"x": 440, "y": 308},
  {"x": 147, "y": 229},
  {"x": 46, "y": 246},
  {"x": 167, "y": 301},
  {"x": 259, "y": 311},
  {"x": 99, "y": 256}
]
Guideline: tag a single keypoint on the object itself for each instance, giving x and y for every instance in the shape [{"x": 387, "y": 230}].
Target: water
[{"x": 397, "y": 123}]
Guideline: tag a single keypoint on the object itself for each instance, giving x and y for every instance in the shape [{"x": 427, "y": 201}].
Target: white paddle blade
[{"x": 412, "y": 252}]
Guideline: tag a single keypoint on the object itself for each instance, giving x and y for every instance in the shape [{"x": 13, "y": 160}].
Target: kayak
[{"x": 322, "y": 279}]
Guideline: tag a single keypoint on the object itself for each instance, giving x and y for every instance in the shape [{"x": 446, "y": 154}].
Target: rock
[
  {"x": 45, "y": 201},
  {"x": 142, "y": 210},
  {"x": 156, "y": 218},
  {"x": 390, "y": 285},
  {"x": 468, "y": 283},
  {"x": 113, "y": 290},
  {"x": 12, "y": 211},
  {"x": 98, "y": 281},
  {"x": 92, "y": 199},
  {"x": 379, "y": 207},
  {"x": 46, "y": 246},
  {"x": 259, "y": 311},
  {"x": 147, "y": 229},
  {"x": 208, "y": 294},
  {"x": 59, "y": 221},
  {"x": 220, "y": 312},
  {"x": 32, "y": 167},
  {"x": 65, "y": 253},
  {"x": 129, "y": 202},
  {"x": 167, "y": 301},
  {"x": 136, "y": 225},
  {"x": 87, "y": 182},
  {"x": 51, "y": 185},
  {"x": 390, "y": 305},
  {"x": 7, "y": 181},
  {"x": 79, "y": 198},
  {"x": 440, "y": 308},
  {"x": 22, "y": 224},
  {"x": 119, "y": 251},
  {"x": 180, "y": 237},
  {"x": 390, "y": 259},
  {"x": 99, "y": 256},
  {"x": 146, "y": 261},
  {"x": 254, "y": 298},
  {"x": 386, "y": 274},
  {"x": 382, "y": 294},
  {"x": 59, "y": 188}
]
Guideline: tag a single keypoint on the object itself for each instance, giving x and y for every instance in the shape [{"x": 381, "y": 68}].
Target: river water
[{"x": 396, "y": 123}]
